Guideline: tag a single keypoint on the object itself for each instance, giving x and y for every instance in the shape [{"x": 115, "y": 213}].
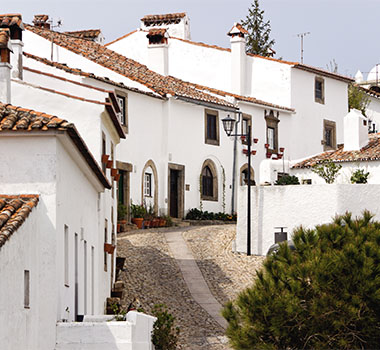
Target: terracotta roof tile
[
  {"x": 13, "y": 212},
  {"x": 4, "y": 39},
  {"x": 157, "y": 31},
  {"x": 40, "y": 19},
  {"x": 163, "y": 17},
  {"x": 13, "y": 119},
  {"x": 11, "y": 19},
  {"x": 237, "y": 28},
  {"x": 370, "y": 152},
  {"x": 86, "y": 34},
  {"x": 163, "y": 85}
]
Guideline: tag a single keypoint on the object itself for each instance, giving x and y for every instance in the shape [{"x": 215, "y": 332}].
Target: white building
[
  {"x": 162, "y": 112},
  {"x": 51, "y": 265}
]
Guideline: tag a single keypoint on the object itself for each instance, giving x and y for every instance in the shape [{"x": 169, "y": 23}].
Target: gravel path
[
  {"x": 152, "y": 275},
  {"x": 225, "y": 272}
]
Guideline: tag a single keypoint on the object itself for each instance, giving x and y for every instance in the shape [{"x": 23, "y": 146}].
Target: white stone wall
[
  {"x": 54, "y": 169},
  {"x": 295, "y": 205}
]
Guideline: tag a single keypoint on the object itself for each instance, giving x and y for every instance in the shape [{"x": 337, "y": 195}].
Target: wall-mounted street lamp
[{"x": 229, "y": 125}]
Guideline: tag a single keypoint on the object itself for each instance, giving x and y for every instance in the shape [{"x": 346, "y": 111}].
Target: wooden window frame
[
  {"x": 248, "y": 118},
  {"x": 208, "y": 140},
  {"x": 123, "y": 121},
  {"x": 147, "y": 184},
  {"x": 211, "y": 165},
  {"x": 329, "y": 124},
  {"x": 317, "y": 98},
  {"x": 272, "y": 122}
]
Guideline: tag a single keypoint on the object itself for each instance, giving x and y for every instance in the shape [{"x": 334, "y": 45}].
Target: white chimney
[
  {"x": 355, "y": 131},
  {"x": 359, "y": 77},
  {"x": 158, "y": 57},
  {"x": 177, "y": 24},
  {"x": 238, "y": 59},
  {"x": 5, "y": 66},
  {"x": 14, "y": 23}
]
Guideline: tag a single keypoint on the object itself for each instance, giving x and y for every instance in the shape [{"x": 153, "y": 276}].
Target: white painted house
[{"x": 51, "y": 267}]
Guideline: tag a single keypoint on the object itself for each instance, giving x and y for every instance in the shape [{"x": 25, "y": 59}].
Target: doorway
[{"x": 176, "y": 183}]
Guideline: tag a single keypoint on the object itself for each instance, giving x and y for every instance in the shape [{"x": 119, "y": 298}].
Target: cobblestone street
[{"x": 153, "y": 276}]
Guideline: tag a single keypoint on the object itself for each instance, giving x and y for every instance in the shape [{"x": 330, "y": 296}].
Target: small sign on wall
[{"x": 187, "y": 187}]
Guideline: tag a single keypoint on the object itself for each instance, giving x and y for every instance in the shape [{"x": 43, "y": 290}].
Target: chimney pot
[{"x": 41, "y": 21}]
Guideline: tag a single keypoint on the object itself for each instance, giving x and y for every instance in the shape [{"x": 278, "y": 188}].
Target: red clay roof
[
  {"x": 38, "y": 19},
  {"x": 164, "y": 17},
  {"x": 370, "y": 152},
  {"x": 86, "y": 34},
  {"x": 11, "y": 19},
  {"x": 13, "y": 212},
  {"x": 15, "y": 119},
  {"x": 163, "y": 85},
  {"x": 239, "y": 27},
  {"x": 157, "y": 31}
]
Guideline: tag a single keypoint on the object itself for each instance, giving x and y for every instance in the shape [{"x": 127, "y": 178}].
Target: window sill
[
  {"x": 212, "y": 142},
  {"x": 318, "y": 100},
  {"x": 207, "y": 198},
  {"x": 27, "y": 307},
  {"x": 66, "y": 285}
]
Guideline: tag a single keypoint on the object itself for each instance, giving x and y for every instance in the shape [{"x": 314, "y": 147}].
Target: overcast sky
[{"x": 344, "y": 30}]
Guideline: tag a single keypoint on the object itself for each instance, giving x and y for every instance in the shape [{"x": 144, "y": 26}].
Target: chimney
[
  {"x": 177, "y": 24},
  {"x": 5, "y": 66},
  {"x": 355, "y": 131},
  {"x": 158, "y": 51},
  {"x": 41, "y": 21},
  {"x": 238, "y": 58},
  {"x": 15, "y": 25}
]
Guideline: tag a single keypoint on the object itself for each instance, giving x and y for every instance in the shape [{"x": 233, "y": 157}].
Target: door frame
[{"x": 181, "y": 188}]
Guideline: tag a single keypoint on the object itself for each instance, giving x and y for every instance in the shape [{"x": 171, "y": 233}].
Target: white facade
[
  {"x": 54, "y": 169},
  {"x": 292, "y": 206}
]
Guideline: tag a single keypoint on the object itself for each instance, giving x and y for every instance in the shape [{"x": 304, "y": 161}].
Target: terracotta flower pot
[
  {"x": 266, "y": 145},
  {"x": 162, "y": 222},
  {"x": 255, "y": 140},
  {"x": 118, "y": 228},
  {"x": 109, "y": 248},
  {"x": 105, "y": 158},
  {"x": 155, "y": 222},
  {"x": 109, "y": 164},
  {"x": 282, "y": 149},
  {"x": 253, "y": 152},
  {"x": 113, "y": 172},
  {"x": 117, "y": 177},
  {"x": 138, "y": 222}
]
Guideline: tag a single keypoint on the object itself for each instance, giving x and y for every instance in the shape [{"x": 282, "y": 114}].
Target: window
[
  {"x": 105, "y": 241},
  {"x": 209, "y": 181},
  {"x": 122, "y": 99},
  {"x": 329, "y": 135},
  {"x": 211, "y": 127},
  {"x": 26, "y": 289},
  {"x": 272, "y": 131},
  {"x": 104, "y": 151},
  {"x": 66, "y": 255},
  {"x": 148, "y": 185},
  {"x": 319, "y": 90},
  {"x": 245, "y": 126},
  {"x": 244, "y": 176}
]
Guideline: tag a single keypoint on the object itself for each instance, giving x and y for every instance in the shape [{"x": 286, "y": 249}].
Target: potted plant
[
  {"x": 138, "y": 212},
  {"x": 255, "y": 140},
  {"x": 105, "y": 158},
  {"x": 148, "y": 217},
  {"x": 109, "y": 248}
]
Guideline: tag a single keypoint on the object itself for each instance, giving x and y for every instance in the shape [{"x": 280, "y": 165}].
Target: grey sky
[{"x": 344, "y": 30}]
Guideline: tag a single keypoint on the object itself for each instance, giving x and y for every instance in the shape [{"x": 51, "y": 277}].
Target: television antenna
[
  {"x": 302, "y": 35},
  {"x": 52, "y": 26}
]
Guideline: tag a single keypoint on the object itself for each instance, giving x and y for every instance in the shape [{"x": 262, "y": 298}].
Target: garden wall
[{"x": 295, "y": 205}]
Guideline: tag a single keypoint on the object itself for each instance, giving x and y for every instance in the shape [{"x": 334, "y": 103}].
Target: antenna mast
[
  {"x": 59, "y": 23},
  {"x": 302, "y": 35}
]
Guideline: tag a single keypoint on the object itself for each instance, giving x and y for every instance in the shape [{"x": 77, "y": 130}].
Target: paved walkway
[{"x": 193, "y": 276}]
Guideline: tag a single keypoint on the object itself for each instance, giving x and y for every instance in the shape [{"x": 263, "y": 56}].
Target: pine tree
[
  {"x": 258, "y": 39},
  {"x": 323, "y": 295}
]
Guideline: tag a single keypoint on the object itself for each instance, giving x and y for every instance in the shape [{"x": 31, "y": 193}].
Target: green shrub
[
  {"x": 196, "y": 214},
  {"x": 288, "y": 180},
  {"x": 327, "y": 170},
  {"x": 164, "y": 334},
  {"x": 323, "y": 295},
  {"x": 121, "y": 211},
  {"x": 359, "y": 177},
  {"x": 137, "y": 211}
]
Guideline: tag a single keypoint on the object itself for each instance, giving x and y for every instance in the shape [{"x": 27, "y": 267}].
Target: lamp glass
[{"x": 228, "y": 125}]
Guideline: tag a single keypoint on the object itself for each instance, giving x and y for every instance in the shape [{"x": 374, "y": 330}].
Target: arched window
[
  {"x": 244, "y": 176},
  {"x": 207, "y": 182},
  {"x": 209, "y": 186}
]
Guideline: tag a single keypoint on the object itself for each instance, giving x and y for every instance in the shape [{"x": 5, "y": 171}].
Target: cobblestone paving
[
  {"x": 225, "y": 272},
  {"x": 153, "y": 276}
]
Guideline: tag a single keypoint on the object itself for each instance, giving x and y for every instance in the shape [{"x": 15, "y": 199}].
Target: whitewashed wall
[
  {"x": 61, "y": 179},
  {"x": 295, "y": 205},
  {"x": 344, "y": 175}
]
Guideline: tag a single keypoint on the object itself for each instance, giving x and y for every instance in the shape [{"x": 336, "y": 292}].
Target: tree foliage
[
  {"x": 165, "y": 334},
  {"x": 323, "y": 295},
  {"x": 258, "y": 38},
  {"x": 357, "y": 99},
  {"x": 327, "y": 170}
]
